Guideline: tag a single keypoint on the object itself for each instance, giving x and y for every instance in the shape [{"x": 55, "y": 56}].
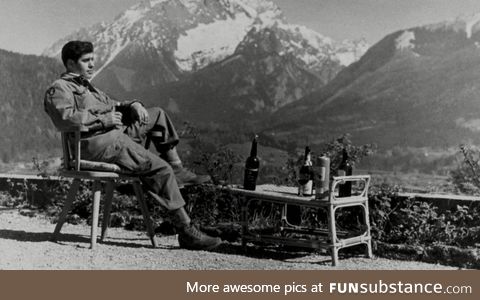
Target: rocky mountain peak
[
  {"x": 201, "y": 32},
  {"x": 159, "y": 47}
]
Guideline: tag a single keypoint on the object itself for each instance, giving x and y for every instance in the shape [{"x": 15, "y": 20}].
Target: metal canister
[{"x": 322, "y": 184}]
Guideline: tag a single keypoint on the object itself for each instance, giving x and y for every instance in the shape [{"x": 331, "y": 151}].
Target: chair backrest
[{"x": 71, "y": 150}]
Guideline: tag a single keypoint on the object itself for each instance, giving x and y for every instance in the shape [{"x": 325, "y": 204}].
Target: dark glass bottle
[
  {"x": 306, "y": 175},
  {"x": 305, "y": 188},
  {"x": 345, "y": 169},
  {"x": 251, "y": 167}
]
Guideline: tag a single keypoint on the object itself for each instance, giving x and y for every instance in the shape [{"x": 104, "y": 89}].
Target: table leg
[
  {"x": 244, "y": 214},
  {"x": 333, "y": 234},
  {"x": 367, "y": 223}
]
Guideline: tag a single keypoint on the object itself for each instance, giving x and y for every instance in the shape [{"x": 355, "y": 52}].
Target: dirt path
[{"x": 24, "y": 244}]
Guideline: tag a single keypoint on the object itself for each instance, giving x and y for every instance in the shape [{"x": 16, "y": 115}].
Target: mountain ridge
[
  {"x": 415, "y": 87},
  {"x": 27, "y": 130},
  {"x": 156, "y": 46}
]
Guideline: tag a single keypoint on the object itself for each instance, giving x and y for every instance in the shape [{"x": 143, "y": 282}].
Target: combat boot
[{"x": 189, "y": 237}]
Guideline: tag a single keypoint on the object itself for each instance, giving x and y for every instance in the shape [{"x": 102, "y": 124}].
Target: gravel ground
[{"x": 25, "y": 245}]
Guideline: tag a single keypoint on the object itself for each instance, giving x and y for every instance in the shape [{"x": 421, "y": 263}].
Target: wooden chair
[{"x": 77, "y": 169}]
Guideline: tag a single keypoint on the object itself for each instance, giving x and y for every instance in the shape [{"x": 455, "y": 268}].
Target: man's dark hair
[{"x": 74, "y": 50}]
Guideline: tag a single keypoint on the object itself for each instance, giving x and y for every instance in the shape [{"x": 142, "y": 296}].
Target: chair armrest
[
  {"x": 72, "y": 155},
  {"x": 79, "y": 128}
]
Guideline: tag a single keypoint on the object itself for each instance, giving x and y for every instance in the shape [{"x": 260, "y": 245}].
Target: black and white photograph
[{"x": 240, "y": 135}]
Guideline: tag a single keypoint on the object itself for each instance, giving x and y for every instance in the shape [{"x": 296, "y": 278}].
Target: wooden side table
[{"x": 284, "y": 195}]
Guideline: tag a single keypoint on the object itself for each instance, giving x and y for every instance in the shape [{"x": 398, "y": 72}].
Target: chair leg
[
  {"x": 67, "y": 206},
  {"x": 146, "y": 216},
  {"x": 107, "y": 208},
  {"x": 95, "y": 212}
]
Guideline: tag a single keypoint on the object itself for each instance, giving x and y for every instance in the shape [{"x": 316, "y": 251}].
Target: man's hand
[
  {"x": 111, "y": 119},
  {"x": 139, "y": 113}
]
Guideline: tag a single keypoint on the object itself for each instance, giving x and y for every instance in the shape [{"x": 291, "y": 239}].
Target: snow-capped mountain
[
  {"x": 416, "y": 87},
  {"x": 168, "y": 42}
]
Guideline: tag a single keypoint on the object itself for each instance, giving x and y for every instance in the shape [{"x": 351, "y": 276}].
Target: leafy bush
[
  {"x": 466, "y": 177},
  {"x": 218, "y": 162},
  {"x": 334, "y": 150},
  {"x": 209, "y": 205},
  {"x": 381, "y": 205},
  {"x": 408, "y": 221}
]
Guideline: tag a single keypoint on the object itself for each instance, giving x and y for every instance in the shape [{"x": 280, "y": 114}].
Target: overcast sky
[{"x": 30, "y": 26}]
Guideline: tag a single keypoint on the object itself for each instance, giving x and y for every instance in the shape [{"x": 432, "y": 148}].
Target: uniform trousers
[{"x": 125, "y": 148}]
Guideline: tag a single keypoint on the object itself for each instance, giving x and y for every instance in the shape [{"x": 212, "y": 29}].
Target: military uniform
[{"x": 72, "y": 101}]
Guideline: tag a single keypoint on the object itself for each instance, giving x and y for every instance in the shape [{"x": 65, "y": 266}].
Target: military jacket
[{"x": 73, "y": 103}]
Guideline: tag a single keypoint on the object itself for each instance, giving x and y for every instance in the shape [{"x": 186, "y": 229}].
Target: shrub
[
  {"x": 334, "y": 149},
  {"x": 381, "y": 204},
  {"x": 466, "y": 177},
  {"x": 408, "y": 221}
]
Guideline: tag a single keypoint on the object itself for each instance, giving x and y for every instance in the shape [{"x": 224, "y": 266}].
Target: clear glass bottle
[
  {"x": 306, "y": 175},
  {"x": 345, "y": 169}
]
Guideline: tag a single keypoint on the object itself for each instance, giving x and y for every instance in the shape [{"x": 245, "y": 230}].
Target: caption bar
[{"x": 379, "y": 287}]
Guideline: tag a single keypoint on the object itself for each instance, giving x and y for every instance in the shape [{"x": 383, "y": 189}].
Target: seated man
[{"x": 116, "y": 131}]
